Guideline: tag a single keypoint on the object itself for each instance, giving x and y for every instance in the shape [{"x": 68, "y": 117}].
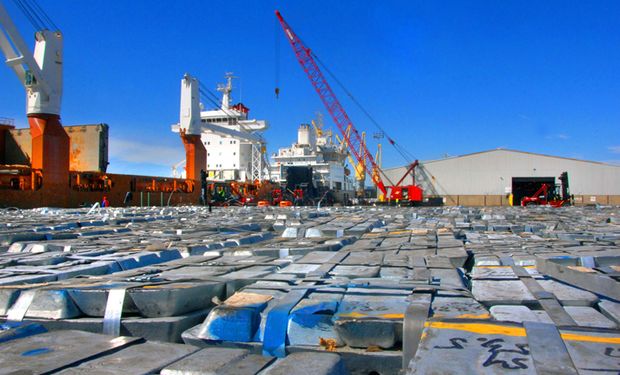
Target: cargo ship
[
  {"x": 52, "y": 165},
  {"x": 316, "y": 155},
  {"x": 236, "y": 147}
]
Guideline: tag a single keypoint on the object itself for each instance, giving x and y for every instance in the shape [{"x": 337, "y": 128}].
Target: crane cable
[
  {"x": 277, "y": 57},
  {"x": 401, "y": 150},
  {"x": 213, "y": 99},
  {"x": 44, "y": 14},
  {"x": 34, "y": 21},
  {"x": 36, "y": 15},
  {"x": 407, "y": 156}
]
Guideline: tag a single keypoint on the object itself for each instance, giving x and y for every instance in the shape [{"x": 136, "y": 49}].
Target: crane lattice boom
[{"x": 339, "y": 115}]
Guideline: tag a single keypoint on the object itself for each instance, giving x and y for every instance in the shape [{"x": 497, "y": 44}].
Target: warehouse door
[{"x": 527, "y": 186}]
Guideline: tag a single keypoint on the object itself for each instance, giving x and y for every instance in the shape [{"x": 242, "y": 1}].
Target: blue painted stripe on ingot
[
  {"x": 274, "y": 342},
  {"x": 18, "y": 330},
  {"x": 238, "y": 324},
  {"x": 35, "y": 352}
]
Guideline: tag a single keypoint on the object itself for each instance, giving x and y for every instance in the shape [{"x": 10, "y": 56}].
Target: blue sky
[{"x": 442, "y": 77}]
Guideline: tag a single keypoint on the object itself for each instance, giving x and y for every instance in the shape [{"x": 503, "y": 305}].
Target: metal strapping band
[
  {"x": 507, "y": 261},
  {"x": 329, "y": 265},
  {"x": 547, "y": 300},
  {"x": 116, "y": 299},
  {"x": 413, "y": 325},
  {"x": 556, "y": 312},
  {"x": 588, "y": 261},
  {"x": 17, "y": 312},
  {"x": 593, "y": 282},
  {"x": 274, "y": 340},
  {"x": 113, "y": 312},
  {"x": 519, "y": 271},
  {"x": 548, "y": 350}
]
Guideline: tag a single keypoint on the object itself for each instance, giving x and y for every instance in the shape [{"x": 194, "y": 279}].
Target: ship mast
[{"x": 226, "y": 90}]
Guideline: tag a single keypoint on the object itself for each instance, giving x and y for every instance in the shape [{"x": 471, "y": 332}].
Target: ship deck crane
[
  {"x": 360, "y": 173},
  {"x": 318, "y": 128},
  {"x": 358, "y": 167},
  {"x": 190, "y": 130},
  {"x": 191, "y": 127},
  {"x": 40, "y": 72},
  {"x": 353, "y": 137}
]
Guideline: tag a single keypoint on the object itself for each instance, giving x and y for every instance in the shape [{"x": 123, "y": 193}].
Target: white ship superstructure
[
  {"x": 230, "y": 157},
  {"x": 316, "y": 150}
]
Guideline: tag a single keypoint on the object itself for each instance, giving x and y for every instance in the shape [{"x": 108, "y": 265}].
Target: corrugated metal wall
[{"x": 491, "y": 173}]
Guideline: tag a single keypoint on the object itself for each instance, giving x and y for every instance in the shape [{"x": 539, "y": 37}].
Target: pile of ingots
[{"x": 249, "y": 290}]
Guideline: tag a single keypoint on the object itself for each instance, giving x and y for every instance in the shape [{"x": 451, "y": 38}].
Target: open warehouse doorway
[{"x": 527, "y": 186}]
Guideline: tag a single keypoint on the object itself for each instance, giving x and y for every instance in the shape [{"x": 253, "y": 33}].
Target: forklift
[{"x": 551, "y": 195}]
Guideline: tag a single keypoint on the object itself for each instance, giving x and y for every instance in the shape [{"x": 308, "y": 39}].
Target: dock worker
[
  {"x": 105, "y": 202},
  {"x": 298, "y": 194},
  {"x": 203, "y": 187}
]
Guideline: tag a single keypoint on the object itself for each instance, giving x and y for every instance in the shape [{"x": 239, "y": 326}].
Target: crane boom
[
  {"x": 40, "y": 72},
  {"x": 335, "y": 109}
]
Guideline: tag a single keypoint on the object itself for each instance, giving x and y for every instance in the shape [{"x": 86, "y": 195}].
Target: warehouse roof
[{"x": 509, "y": 150}]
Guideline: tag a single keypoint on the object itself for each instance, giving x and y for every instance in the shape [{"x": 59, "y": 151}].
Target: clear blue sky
[{"x": 443, "y": 77}]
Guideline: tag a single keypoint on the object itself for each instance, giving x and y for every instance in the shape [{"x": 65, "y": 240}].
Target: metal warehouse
[{"x": 490, "y": 177}]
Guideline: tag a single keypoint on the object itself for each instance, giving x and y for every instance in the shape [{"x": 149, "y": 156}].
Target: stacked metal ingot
[{"x": 382, "y": 289}]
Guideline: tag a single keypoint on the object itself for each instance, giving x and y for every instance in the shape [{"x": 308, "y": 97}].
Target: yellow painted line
[
  {"x": 588, "y": 338},
  {"x": 392, "y": 316},
  {"x": 489, "y": 329},
  {"x": 352, "y": 314},
  {"x": 474, "y": 316},
  {"x": 494, "y": 329},
  {"x": 355, "y": 314}
]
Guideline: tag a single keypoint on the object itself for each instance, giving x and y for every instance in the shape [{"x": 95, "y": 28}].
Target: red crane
[{"x": 350, "y": 134}]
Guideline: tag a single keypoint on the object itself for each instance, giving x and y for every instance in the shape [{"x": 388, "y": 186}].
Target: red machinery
[
  {"x": 298, "y": 196},
  {"x": 353, "y": 138},
  {"x": 551, "y": 195},
  {"x": 276, "y": 196},
  {"x": 406, "y": 193}
]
